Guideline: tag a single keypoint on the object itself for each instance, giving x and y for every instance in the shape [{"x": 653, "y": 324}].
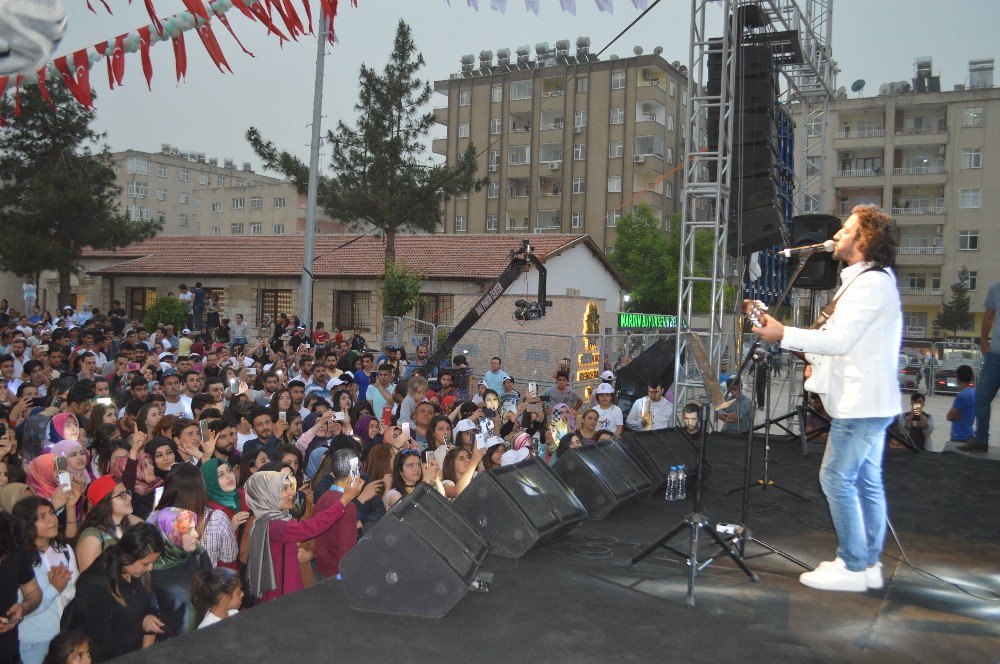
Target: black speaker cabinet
[
  {"x": 520, "y": 506},
  {"x": 656, "y": 451},
  {"x": 759, "y": 228},
  {"x": 632, "y": 380},
  {"x": 604, "y": 477},
  {"x": 820, "y": 271},
  {"x": 419, "y": 560}
]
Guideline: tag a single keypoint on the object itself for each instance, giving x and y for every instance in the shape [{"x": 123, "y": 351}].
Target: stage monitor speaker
[
  {"x": 820, "y": 271},
  {"x": 604, "y": 476},
  {"x": 420, "y": 559},
  {"x": 761, "y": 229},
  {"x": 520, "y": 506},
  {"x": 658, "y": 450},
  {"x": 632, "y": 380}
]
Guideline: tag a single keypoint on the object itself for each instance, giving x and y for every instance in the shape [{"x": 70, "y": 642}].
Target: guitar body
[{"x": 817, "y": 371}]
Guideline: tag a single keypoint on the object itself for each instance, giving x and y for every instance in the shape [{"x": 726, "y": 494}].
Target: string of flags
[{"x": 566, "y": 5}]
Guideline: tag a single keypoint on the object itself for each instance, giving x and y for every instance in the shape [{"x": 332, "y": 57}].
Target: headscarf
[
  {"x": 521, "y": 440},
  {"x": 210, "y": 471},
  {"x": 67, "y": 447},
  {"x": 361, "y": 430},
  {"x": 263, "y": 492},
  {"x": 142, "y": 487},
  {"x": 57, "y": 427},
  {"x": 10, "y": 495},
  {"x": 153, "y": 445},
  {"x": 42, "y": 476},
  {"x": 173, "y": 523}
]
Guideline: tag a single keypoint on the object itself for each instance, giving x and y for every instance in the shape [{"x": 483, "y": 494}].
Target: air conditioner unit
[
  {"x": 537, "y": 231},
  {"x": 639, "y": 159},
  {"x": 848, "y": 155},
  {"x": 577, "y": 130},
  {"x": 494, "y": 168},
  {"x": 555, "y": 165},
  {"x": 647, "y": 108}
]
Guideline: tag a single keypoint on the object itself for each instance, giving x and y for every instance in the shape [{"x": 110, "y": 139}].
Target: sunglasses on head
[{"x": 408, "y": 451}]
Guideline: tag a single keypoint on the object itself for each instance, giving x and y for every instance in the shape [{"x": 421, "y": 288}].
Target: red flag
[
  {"x": 83, "y": 93},
  {"x": 212, "y": 46},
  {"x": 3, "y": 88},
  {"x": 102, "y": 48},
  {"x": 197, "y": 8},
  {"x": 147, "y": 65},
  {"x": 44, "y": 90},
  {"x": 17, "y": 95},
  {"x": 258, "y": 10},
  {"x": 309, "y": 14},
  {"x": 151, "y": 10},
  {"x": 180, "y": 55},
  {"x": 225, "y": 22},
  {"x": 243, "y": 8},
  {"x": 118, "y": 58},
  {"x": 63, "y": 68}
]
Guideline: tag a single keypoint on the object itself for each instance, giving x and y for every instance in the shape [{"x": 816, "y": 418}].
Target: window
[
  {"x": 216, "y": 208},
  {"x": 461, "y": 225},
  {"x": 649, "y": 145},
  {"x": 239, "y": 182},
  {"x": 614, "y": 183},
  {"x": 617, "y": 115},
  {"x": 203, "y": 179},
  {"x": 238, "y": 204},
  {"x": 139, "y": 300},
  {"x": 617, "y": 80},
  {"x": 493, "y": 191},
  {"x": 161, "y": 170},
  {"x": 968, "y": 240},
  {"x": 972, "y": 281},
  {"x": 352, "y": 310},
  {"x": 579, "y": 152},
  {"x": 612, "y": 218},
  {"x": 670, "y": 122},
  {"x": 256, "y": 202},
  {"x": 463, "y": 129},
  {"x": 582, "y": 85},
  {"x": 576, "y": 220},
  {"x": 550, "y": 152},
  {"x": 277, "y": 229},
  {"x": 183, "y": 220},
  {"x": 670, "y": 155},
  {"x": 684, "y": 130},
  {"x": 672, "y": 88},
  {"x": 578, "y": 185},
  {"x": 494, "y": 160},
  {"x": 972, "y": 158},
  {"x": 273, "y": 302},
  {"x": 464, "y": 97},
  {"x": 236, "y": 229},
  {"x": 436, "y": 309},
  {"x": 580, "y": 119},
  {"x": 518, "y": 154},
  {"x": 496, "y": 94},
  {"x": 496, "y": 126},
  {"x": 973, "y": 116},
  {"x": 684, "y": 97},
  {"x": 185, "y": 175},
  {"x": 161, "y": 215},
  {"x": 279, "y": 203},
  {"x": 520, "y": 90},
  {"x": 137, "y": 189},
  {"x": 220, "y": 181},
  {"x": 185, "y": 198},
  {"x": 216, "y": 230},
  {"x": 137, "y": 166},
  {"x": 970, "y": 199},
  {"x": 492, "y": 222},
  {"x": 668, "y": 189},
  {"x": 616, "y": 149},
  {"x": 161, "y": 194},
  {"x": 256, "y": 229}
]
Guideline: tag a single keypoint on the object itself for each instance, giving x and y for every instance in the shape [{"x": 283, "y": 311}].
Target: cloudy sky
[{"x": 875, "y": 40}]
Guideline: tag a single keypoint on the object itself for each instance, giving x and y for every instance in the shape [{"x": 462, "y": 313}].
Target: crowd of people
[{"x": 154, "y": 482}]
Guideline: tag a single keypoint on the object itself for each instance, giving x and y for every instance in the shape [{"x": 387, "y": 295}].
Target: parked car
[
  {"x": 910, "y": 372},
  {"x": 944, "y": 371}
]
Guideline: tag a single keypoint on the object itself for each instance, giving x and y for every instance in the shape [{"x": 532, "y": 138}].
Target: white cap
[
  {"x": 510, "y": 457},
  {"x": 165, "y": 354},
  {"x": 604, "y": 388},
  {"x": 185, "y": 331},
  {"x": 465, "y": 425},
  {"x": 608, "y": 375},
  {"x": 334, "y": 382}
]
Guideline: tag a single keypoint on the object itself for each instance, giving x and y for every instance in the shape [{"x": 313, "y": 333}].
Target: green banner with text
[{"x": 627, "y": 321}]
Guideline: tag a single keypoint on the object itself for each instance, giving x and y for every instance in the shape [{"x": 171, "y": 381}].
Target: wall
[{"x": 577, "y": 268}]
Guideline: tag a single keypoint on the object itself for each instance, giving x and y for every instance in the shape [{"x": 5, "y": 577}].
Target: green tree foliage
[
  {"x": 58, "y": 194},
  {"x": 379, "y": 176},
  {"x": 400, "y": 290},
  {"x": 649, "y": 259},
  {"x": 955, "y": 314},
  {"x": 167, "y": 310}
]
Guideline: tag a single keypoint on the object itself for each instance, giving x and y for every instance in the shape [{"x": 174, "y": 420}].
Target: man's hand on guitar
[{"x": 764, "y": 325}]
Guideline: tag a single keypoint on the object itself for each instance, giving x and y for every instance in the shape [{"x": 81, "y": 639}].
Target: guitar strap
[{"x": 827, "y": 311}]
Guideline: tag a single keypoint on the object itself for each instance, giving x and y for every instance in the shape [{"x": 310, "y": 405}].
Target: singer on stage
[{"x": 853, "y": 359}]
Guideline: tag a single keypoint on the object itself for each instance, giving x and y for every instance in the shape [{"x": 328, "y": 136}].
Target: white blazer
[{"x": 863, "y": 337}]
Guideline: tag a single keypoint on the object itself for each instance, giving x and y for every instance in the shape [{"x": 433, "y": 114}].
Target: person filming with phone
[{"x": 917, "y": 423}]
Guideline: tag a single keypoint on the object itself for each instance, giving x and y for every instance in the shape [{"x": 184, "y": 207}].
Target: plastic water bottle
[
  {"x": 681, "y": 483},
  {"x": 672, "y": 484}
]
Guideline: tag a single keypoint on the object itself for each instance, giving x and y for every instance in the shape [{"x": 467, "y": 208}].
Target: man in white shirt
[
  {"x": 854, "y": 357},
  {"x": 652, "y": 411},
  {"x": 609, "y": 416},
  {"x": 177, "y": 403}
]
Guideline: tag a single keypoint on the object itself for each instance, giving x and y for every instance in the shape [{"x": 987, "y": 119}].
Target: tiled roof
[{"x": 475, "y": 257}]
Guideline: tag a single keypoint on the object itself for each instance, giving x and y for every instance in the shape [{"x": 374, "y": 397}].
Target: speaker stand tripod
[{"x": 695, "y": 522}]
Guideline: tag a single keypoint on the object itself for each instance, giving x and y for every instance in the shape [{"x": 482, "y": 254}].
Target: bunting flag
[
  {"x": 118, "y": 59},
  {"x": 180, "y": 56},
  {"x": 499, "y": 6},
  {"x": 474, "y": 4},
  {"x": 641, "y": 5},
  {"x": 605, "y": 6},
  {"x": 145, "y": 39},
  {"x": 568, "y": 6},
  {"x": 531, "y": 6}
]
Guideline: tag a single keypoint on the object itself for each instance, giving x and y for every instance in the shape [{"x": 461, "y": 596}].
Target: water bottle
[
  {"x": 672, "y": 484},
  {"x": 681, "y": 483}
]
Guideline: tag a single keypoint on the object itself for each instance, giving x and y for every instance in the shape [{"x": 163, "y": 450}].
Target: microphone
[{"x": 807, "y": 249}]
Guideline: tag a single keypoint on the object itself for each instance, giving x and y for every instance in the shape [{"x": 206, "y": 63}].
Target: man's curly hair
[{"x": 878, "y": 236}]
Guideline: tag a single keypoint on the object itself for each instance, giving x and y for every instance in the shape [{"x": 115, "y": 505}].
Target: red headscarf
[{"x": 142, "y": 487}]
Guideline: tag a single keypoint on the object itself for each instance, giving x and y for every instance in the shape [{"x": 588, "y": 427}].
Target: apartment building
[
  {"x": 169, "y": 185},
  {"x": 569, "y": 142},
  {"x": 926, "y": 156},
  {"x": 266, "y": 208}
]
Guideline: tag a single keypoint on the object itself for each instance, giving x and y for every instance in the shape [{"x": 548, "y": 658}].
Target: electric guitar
[{"x": 817, "y": 372}]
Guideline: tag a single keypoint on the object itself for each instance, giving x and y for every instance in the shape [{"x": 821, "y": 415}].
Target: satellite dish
[{"x": 858, "y": 85}]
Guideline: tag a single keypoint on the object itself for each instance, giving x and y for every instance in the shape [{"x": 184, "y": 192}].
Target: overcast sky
[{"x": 875, "y": 40}]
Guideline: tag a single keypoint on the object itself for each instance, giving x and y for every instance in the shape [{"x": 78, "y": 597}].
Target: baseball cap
[
  {"x": 506, "y": 378},
  {"x": 604, "y": 388},
  {"x": 510, "y": 457},
  {"x": 391, "y": 347},
  {"x": 483, "y": 383},
  {"x": 608, "y": 375},
  {"x": 185, "y": 331},
  {"x": 165, "y": 355},
  {"x": 100, "y": 488},
  {"x": 465, "y": 425}
]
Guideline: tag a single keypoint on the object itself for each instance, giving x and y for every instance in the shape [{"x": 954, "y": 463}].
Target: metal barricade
[
  {"x": 478, "y": 346},
  {"x": 945, "y": 358},
  {"x": 534, "y": 357}
]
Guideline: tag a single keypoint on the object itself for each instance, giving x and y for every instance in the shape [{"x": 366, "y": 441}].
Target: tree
[
  {"x": 955, "y": 315},
  {"x": 379, "y": 175},
  {"x": 649, "y": 259},
  {"x": 400, "y": 290},
  {"x": 167, "y": 311},
  {"x": 58, "y": 194}
]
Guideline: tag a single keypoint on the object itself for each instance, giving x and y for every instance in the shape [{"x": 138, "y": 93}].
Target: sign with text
[{"x": 627, "y": 321}]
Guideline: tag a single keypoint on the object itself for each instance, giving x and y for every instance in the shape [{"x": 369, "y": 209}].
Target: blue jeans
[
  {"x": 851, "y": 477},
  {"x": 986, "y": 389}
]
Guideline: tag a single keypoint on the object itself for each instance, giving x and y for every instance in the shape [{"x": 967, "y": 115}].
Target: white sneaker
[
  {"x": 873, "y": 577},
  {"x": 832, "y": 575}
]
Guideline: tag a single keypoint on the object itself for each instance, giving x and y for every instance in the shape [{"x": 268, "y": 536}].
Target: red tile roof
[{"x": 472, "y": 257}]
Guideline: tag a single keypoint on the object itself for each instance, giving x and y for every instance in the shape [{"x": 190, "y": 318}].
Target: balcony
[
  {"x": 918, "y": 135},
  {"x": 441, "y": 115},
  {"x": 859, "y": 173},
  {"x": 920, "y": 250},
  {"x": 918, "y": 210},
  {"x": 918, "y": 170},
  {"x": 863, "y": 133},
  {"x": 922, "y": 131},
  {"x": 909, "y": 290},
  {"x": 440, "y": 146}
]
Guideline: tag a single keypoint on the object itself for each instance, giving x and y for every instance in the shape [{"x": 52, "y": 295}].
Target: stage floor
[{"x": 577, "y": 600}]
